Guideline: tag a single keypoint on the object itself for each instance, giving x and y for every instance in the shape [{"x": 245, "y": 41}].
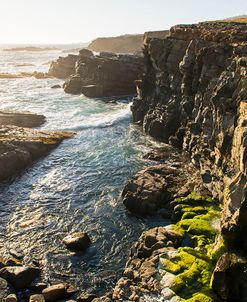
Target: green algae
[{"x": 193, "y": 265}]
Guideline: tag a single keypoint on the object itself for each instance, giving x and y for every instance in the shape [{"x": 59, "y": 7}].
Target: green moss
[
  {"x": 199, "y": 297},
  {"x": 193, "y": 267},
  {"x": 216, "y": 251}
]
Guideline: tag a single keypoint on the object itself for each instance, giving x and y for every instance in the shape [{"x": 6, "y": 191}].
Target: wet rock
[
  {"x": 149, "y": 190},
  {"x": 11, "y": 298},
  {"x": 86, "y": 297},
  {"x": 21, "y": 119},
  {"x": 78, "y": 241},
  {"x": 5, "y": 289},
  {"x": 56, "y": 86},
  {"x": 58, "y": 292},
  {"x": 19, "y": 276},
  {"x": 19, "y": 147},
  {"x": 38, "y": 287},
  {"x": 37, "y": 298}
]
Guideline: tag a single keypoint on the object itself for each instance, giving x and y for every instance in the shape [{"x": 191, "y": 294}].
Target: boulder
[
  {"x": 58, "y": 292},
  {"x": 19, "y": 276},
  {"x": 11, "y": 298},
  {"x": 37, "y": 298},
  {"x": 78, "y": 241},
  {"x": 149, "y": 190},
  {"x": 63, "y": 67}
]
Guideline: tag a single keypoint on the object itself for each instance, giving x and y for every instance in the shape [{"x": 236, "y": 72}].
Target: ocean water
[{"x": 77, "y": 187}]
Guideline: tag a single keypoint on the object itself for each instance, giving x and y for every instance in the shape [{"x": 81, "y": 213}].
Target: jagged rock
[
  {"x": 58, "y": 292},
  {"x": 149, "y": 189},
  {"x": 193, "y": 95},
  {"x": 78, "y": 241},
  {"x": 19, "y": 276},
  {"x": 63, "y": 67},
  {"x": 104, "y": 75},
  {"x": 21, "y": 119},
  {"x": 19, "y": 147},
  {"x": 230, "y": 277}
]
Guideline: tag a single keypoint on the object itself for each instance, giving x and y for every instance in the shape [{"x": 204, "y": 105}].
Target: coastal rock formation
[
  {"x": 194, "y": 95},
  {"x": 104, "y": 75},
  {"x": 19, "y": 145},
  {"x": 63, "y": 67}
]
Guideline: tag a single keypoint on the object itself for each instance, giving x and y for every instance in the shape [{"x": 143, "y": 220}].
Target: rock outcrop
[
  {"x": 63, "y": 67},
  {"x": 20, "y": 146},
  {"x": 194, "y": 95},
  {"x": 104, "y": 75}
]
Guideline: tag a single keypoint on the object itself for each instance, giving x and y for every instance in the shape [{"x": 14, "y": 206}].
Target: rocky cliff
[
  {"x": 104, "y": 75},
  {"x": 194, "y": 95}
]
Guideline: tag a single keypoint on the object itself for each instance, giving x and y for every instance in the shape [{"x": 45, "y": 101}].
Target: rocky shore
[{"x": 193, "y": 96}]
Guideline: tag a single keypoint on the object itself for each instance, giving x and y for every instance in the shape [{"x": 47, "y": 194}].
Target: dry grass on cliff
[{"x": 239, "y": 20}]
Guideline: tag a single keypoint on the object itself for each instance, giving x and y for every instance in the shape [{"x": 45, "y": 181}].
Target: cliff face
[{"x": 194, "y": 95}]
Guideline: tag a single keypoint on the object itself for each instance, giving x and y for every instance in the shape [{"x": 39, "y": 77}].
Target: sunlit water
[{"x": 76, "y": 187}]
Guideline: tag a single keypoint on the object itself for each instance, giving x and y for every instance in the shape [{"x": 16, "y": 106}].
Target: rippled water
[{"x": 76, "y": 187}]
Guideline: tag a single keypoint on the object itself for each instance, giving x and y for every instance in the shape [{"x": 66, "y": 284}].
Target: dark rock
[
  {"x": 56, "y": 86},
  {"x": 102, "y": 76},
  {"x": 38, "y": 287},
  {"x": 149, "y": 190},
  {"x": 78, "y": 241},
  {"x": 19, "y": 276},
  {"x": 58, "y": 292},
  {"x": 230, "y": 278}
]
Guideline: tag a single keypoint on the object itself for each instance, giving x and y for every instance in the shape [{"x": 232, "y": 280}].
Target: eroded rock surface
[
  {"x": 21, "y": 119},
  {"x": 63, "y": 67},
  {"x": 194, "y": 95}
]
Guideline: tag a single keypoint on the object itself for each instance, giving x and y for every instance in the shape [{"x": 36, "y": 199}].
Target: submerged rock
[
  {"x": 58, "y": 292},
  {"x": 78, "y": 241},
  {"x": 19, "y": 276},
  {"x": 11, "y": 298},
  {"x": 37, "y": 298},
  {"x": 56, "y": 86},
  {"x": 5, "y": 289},
  {"x": 86, "y": 297}
]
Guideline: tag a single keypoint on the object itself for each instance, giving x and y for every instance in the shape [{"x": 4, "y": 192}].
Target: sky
[{"x": 75, "y": 21}]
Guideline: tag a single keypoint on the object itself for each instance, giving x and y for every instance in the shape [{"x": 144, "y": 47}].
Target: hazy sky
[{"x": 66, "y": 21}]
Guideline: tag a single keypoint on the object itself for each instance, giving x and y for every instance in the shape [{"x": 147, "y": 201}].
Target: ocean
[{"x": 77, "y": 187}]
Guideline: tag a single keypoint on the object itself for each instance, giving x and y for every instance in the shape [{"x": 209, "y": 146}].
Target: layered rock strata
[
  {"x": 194, "y": 95},
  {"x": 63, "y": 67}
]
